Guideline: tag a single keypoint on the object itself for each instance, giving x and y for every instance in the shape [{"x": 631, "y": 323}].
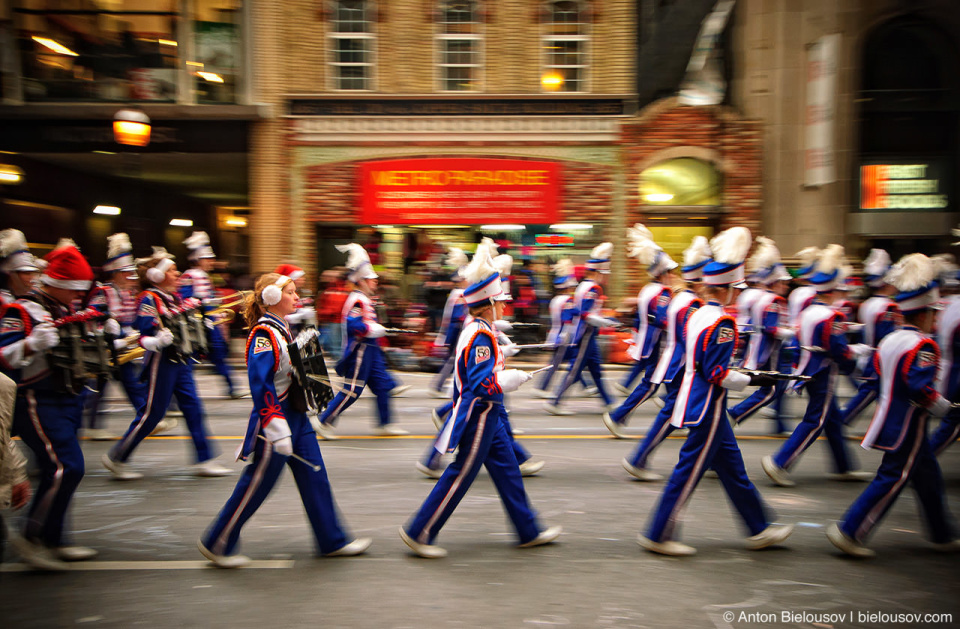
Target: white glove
[
  {"x": 735, "y": 381},
  {"x": 601, "y": 322},
  {"x": 786, "y": 333},
  {"x": 511, "y": 379},
  {"x": 503, "y": 325},
  {"x": 940, "y": 407},
  {"x": 119, "y": 343},
  {"x": 861, "y": 349},
  {"x": 278, "y": 433},
  {"x": 510, "y": 349},
  {"x": 42, "y": 337},
  {"x": 283, "y": 447},
  {"x": 111, "y": 327},
  {"x": 375, "y": 331},
  {"x": 163, "y": 338}
]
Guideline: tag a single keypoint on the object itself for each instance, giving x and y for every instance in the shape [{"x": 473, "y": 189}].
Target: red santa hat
[
  {"x": 67, "y": 268},
  {"x": 290, "y": 270}
]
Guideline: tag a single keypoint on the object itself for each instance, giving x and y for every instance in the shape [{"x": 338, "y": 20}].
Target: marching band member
[
  {"x": 701, "y": 407},
  {"x": 824, "y": 355},
  {"x": 454, "y": 312},
  {"x": 116, "y": 297},
  {"x": 672, "y": 361},
  {"x": 652, "y": 305},
  {"x": 47, "y": 416},
  {"x": 195, "y": 283},
  {"x": 430, "y": 466},
  {"x": 879, "y": 316},
  {"x": 306, "y": 314},
  {"x": 562, "y": 316},
  {"x": 19, "y": 269},
  {"x": 362, "y": 362},
  {"x": 166, "y": 370},
  {"x": 14, "y": 483},
  {"x": 477, "y": 426},
  {"x": 803, "y": 295},
  {"x": 906, "y": 362},
  {"x": 948, "y": 379},
  {"x": 587, "y": 300},
  {"x": 768, "y": 323},
  {"x": 278, "y": 430}
]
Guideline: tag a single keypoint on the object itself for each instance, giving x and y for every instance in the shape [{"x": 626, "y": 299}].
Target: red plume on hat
[
  {"x": 67, "y": 268},
  {"x": 290, "y": 270}
]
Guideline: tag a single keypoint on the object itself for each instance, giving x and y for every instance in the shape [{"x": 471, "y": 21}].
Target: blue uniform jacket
[
  {"x": 907, "y": 363},
  {"x": 358, "y": 319},
  {"x": 824, "y": 328},
  {"x": 475, "y": 386},
  {"x": 270, "y": 373},
  {"x": 16, "y": 322},
  {"x": 711, "y": 339}
]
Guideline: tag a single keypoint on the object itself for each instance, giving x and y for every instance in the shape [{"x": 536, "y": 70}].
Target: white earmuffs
[
  {"x": 157, "y": 273},
  {"x": 271, "y": 294}
]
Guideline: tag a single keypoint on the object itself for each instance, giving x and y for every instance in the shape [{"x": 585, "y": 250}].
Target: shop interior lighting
[
  {"x": 659, "y": 197},
  {"x": 166, "y": 42},
  {"x": 55, "y": 46},
  {"x": 383, "y": 226},
  {"x": 236, "y": 221},
  {"x": 503, "y": 228},
  {"x": 10, "y": 174},
  {"x": 181, "y": 222},
  {"x": 551, "y": 81},
  {"x": 210, "y": 76},
  {"x": 565, "y": 227},
  {"x": 195, "y": 64},
  {"x": 109, "y": 210}
]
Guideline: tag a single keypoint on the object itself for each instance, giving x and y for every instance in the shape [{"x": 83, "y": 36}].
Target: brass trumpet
[
  {"x": 132, "y": 349},
  {"x": 226, "y": 311}
]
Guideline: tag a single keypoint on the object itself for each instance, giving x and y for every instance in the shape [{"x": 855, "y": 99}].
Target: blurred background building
[{"x": 285, "y": 127}]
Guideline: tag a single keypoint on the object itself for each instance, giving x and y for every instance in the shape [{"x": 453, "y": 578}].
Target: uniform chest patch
[
  {"x": 662, "y": 300},
  {"x": 11, "y": 324},
  {"x": 356, "y": 311},
  {"x": 926, "y": 359},
  {"x": 146, "y": 310},
  {"x": 262, "y": 344},
  {"x": 481, "y": 353},
  {"x": 724, "y": 335}
]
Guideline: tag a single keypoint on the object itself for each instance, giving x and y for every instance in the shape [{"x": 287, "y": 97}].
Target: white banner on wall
[{"x": 821, "y": 112}]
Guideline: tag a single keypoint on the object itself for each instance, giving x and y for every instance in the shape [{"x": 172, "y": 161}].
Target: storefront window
[
  {"x": 565, "y": 40},
  {"x": 459, "y": 46},
  {"x": 128, "y": 50},
  {"x": 680, "y": 182}
]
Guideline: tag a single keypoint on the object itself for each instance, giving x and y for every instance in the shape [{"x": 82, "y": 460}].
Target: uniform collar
[{"x": 714, "y": 302}]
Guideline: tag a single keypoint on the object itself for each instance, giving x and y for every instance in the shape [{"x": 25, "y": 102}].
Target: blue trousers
[
  {"x": 661, "y": 427},
  {"x": 757, "y": 400},
  {"x": 710, "y": 444},
  {"x": 569, "y": 353},
  {"x": 164, "y": 380},
  {"x": 219, "y": 350},
  {"x": 915, "y": 462},
  {"x": 643, "y": 392},
  {"x": 445, "y": 370},
  {"x": 432, "y": 457},
  {"x": 48, "y": 423},
  {"x": 647, "y": 365},
  {"x": 945, "y": 434},
  {"x": 867, "y": 391},
  {"x": 259, "y": 477},
  {"x": 484, "y": 442},
  {"x": 129, "y": 376},
  {"x": 822, "y": 416},
  {"x": 588, "y": 357},
  {"x": 366, "y": 370}
]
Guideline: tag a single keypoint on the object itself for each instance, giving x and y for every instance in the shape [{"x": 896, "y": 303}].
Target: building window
[
  {"x": 459, "y": 46},
  {"x": 565, "y": 47},
  {"x": 352, "y": 43}
]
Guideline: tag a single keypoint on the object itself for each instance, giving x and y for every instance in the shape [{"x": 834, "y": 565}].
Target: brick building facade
[{"x": 305, "y": 162}]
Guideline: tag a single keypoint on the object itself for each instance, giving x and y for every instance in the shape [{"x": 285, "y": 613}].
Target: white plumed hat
[
  {"x": 730, "y": 249},
  {"x": 198, "y": 243},
  {"x": 915, "y": 277},
  {"x": 358, "y": 262}
]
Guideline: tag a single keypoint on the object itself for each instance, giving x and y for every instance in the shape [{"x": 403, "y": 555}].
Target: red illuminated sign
[{"x": 463, "y": 190}]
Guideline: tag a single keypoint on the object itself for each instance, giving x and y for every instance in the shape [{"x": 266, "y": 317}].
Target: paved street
[{"x": 150, "y": 574}]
